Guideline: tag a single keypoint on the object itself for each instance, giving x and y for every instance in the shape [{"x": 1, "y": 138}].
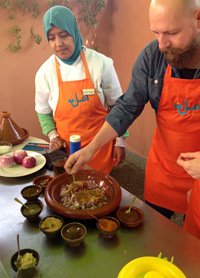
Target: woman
[
  {"x": 75, "y": 88},
  {"x": 191, "y": 164}
]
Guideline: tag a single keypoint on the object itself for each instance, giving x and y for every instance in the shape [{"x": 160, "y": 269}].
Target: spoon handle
[
  {"x": 74, "y": 179},
  {"x": 92, "y": 215},
  {"x": 18, "y": 246},
  {"x": 18, "y": 201}
]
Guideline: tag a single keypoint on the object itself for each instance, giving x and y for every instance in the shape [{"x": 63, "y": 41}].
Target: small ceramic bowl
[
  {"x": 42, "y": 181},
  {"x": 108, "y": 226},
  {"x": 26, "y": 255},
  {"x": 73, "y": 233},
  {"x": 51, "y": 225},
  {"x": 5, "y": 147},
  {"x": 33, "y": 211},
  {"x": 132, "y": 219},
  {"x": 31, "y": 192}
]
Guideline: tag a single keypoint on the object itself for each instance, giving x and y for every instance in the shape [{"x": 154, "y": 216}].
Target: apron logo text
[
  {"x": 184, "y": 108},
  {"x": 75, "y": 102}
]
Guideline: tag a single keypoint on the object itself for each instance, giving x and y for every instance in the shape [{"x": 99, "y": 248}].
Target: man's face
[
  {"x": 177, "y": 35},
  {"x": 61, "y": 43},
  {"x": 180, "y": 57}
]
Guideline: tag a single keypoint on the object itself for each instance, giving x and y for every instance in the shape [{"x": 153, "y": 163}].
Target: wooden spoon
[{"x": 92, "y": 215}]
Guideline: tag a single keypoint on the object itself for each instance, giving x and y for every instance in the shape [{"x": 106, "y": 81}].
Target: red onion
[
  {"x": 19, "y": 155},
  {"x": 29, "y": 162},
  {"x": 6, "y": 160}
]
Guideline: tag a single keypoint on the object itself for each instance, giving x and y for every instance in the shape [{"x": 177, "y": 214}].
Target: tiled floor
[{"x": 130, "y": 175}]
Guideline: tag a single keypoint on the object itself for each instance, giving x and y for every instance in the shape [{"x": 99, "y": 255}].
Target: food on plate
[
  {"x": 29, "y": 162},
  {"x": 6, "y": 160},
  {"x": 84, "y": 195},
  {"x": 51, "y": 224},
  {"x": 107, "y": 225},
  {"x": 19, "y": 155},
  {"x": 25, "y": 261}
]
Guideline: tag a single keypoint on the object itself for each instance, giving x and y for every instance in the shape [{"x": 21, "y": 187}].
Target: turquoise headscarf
[{"x": 64, "y": 19}]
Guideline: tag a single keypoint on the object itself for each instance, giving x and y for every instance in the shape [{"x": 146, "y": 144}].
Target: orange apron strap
[
  {"x": 58, "y": 72},
  {"x": 168, "y": 72}
]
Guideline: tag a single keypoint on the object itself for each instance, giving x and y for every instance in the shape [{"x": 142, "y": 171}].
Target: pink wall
[
  {"x": 128, "y": 32},
  {"x": 122, "y": 33}
]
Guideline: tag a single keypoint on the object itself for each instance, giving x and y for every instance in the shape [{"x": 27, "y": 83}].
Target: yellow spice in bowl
[{"x": 51, "y": 224}]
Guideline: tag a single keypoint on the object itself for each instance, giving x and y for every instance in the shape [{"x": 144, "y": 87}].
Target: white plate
[{"x": 20, "y": 171}]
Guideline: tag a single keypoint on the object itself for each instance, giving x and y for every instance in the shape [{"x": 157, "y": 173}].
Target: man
[
  {"x": 166, "y": 74},
  {"x": 191, "y": 164}
]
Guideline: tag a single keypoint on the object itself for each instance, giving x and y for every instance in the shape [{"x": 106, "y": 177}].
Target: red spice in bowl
[{"x": 108, "y": 226}]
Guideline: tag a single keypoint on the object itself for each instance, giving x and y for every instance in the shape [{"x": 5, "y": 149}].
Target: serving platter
[
  {"x": 19, "y": 170},
  {"x": 52, "y": 195}
]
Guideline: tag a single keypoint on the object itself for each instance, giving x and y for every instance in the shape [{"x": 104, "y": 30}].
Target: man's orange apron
[
  {"x": 80, "y": 111},
  {"x": 192, "y": 219},
  {"x": 178, "y": 130}
]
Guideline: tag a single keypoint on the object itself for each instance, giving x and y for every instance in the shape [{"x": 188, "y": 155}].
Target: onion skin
[
  {"x": 29, "y": 162},
  {"x": 6, "y": 161}
]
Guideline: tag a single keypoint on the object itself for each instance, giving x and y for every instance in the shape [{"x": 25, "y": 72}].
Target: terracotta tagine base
[{"x": 10, "y": 131}]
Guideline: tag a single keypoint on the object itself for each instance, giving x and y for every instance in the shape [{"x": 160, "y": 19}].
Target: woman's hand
[
  {"x": 190, "y": 163},
  {"x": 56, "y": 143},
  {"x": 118, "y": 155}
]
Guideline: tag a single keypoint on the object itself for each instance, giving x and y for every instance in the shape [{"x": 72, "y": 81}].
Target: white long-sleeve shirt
[{"x": 101, "y": 70}]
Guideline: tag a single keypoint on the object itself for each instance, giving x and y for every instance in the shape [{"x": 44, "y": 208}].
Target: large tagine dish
[
  {"x": 10, "y": 131},
  {"x": 93, "y": 194}
]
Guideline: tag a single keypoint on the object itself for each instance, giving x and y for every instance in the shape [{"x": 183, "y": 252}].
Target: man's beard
[{"x": 180, "y": 58}]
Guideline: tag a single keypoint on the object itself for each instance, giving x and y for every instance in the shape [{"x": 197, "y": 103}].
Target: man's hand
[
  {"x": 190, "y": 163},
  {"x": 118, "y": 155},
  {"x": 78, "y": 160}
]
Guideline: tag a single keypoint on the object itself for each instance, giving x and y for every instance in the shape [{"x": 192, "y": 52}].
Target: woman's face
[{"x": 61, "y": 43}]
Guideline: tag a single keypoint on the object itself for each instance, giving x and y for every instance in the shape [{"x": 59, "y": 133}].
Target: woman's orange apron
[
  {"x": 80, "y": 111},
  {"x": 192, "y": 219},
  {"x": 178, "y": 130}
]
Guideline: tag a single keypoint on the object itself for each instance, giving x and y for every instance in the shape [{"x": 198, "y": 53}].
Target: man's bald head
[
  {"x": 185, "y": 6},
  {"x": 176, "y": 24}
]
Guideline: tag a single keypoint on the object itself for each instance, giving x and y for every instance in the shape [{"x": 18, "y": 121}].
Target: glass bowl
[{"x": 5, "y": 147}]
